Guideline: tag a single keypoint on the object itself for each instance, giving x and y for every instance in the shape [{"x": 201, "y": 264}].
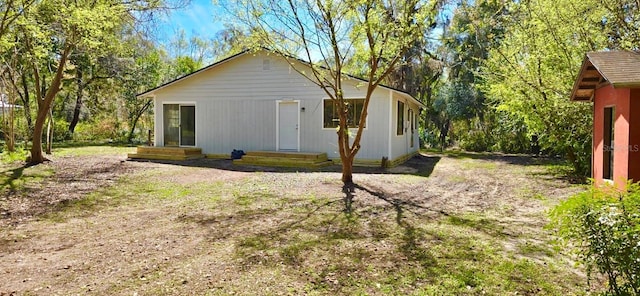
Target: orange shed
[{"x": 611, "y": 80}]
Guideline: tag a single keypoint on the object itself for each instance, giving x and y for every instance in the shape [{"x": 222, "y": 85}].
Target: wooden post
[{"x": 149, "y": 139}]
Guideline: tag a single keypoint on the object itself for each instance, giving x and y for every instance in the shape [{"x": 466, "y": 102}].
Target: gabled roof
[
  {"x": 214, "y": 65},
  {"x": 621, "y": 69}
]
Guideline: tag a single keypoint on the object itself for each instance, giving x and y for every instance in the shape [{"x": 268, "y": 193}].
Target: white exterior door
[{"x": 288, "y": 124}]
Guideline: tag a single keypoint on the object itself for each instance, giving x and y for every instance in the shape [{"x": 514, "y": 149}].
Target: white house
[{"x": 256, "y": 101}]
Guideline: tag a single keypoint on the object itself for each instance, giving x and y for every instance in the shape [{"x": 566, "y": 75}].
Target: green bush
[
  {"x": 475, "y": 140},
  {"x": 603, "y": 226},
  {"x": 98, "y": 130},
  {"x": 510, "y": 134},
  {"x": 20, "y": 154},
  {"x": 60, "y": 130}
]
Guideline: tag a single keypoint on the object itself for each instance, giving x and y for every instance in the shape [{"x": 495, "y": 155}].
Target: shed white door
[{"x": 288, "y": 116}]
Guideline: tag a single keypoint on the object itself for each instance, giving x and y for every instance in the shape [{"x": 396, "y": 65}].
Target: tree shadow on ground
[
  {"x": 335, "y": 243},
  {"x": 9, "y": 178},
  {"x": 411, "y": 247}
]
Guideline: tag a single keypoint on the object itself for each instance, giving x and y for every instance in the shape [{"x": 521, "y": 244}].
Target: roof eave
[
  {"x": 410, "y": 97},
  {"x": 576, "y": 83}
]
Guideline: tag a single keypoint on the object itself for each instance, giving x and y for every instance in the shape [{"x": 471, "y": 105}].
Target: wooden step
[
  {"x": 166, "y": 153},
  {"x": 168, "y": 150},
  {"x": 284, "y": 159},
  {"x": 293, "y": 155},
  {"x": 267, "y": 162},
  {"x": 249, "y": 158},
  {"x": 164, "y": 156}
]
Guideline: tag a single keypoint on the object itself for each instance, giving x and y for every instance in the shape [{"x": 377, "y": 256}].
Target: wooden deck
[
  {"x": 166, "y": 153},
  {"x": 284, "y": 159}
]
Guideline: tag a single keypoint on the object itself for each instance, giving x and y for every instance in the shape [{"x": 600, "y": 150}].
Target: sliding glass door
[{"x": 179, "y": 125}]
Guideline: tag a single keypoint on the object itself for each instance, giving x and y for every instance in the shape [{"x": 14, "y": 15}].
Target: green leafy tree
[
  {"x": 474, "y": 28},
  {"x": 150, "y": 70},
  {"x": 184, "y": 65},
  {"x": 52, "y": 31},
  {"x": 529, "y": 75},
  {"x": 622, "y": 23},
  {"x": 455, "y": 101}
]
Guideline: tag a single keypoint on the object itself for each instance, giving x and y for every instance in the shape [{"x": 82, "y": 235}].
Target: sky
[{"x": 201, "y": 18}]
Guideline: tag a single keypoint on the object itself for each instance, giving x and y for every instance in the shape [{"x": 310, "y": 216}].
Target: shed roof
[{"x": 621, "y": 69}]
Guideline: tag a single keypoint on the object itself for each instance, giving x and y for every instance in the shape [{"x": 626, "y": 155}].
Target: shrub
[
  {"x": 60, "y": 130},
  {"x": 98, "y": 130},
  {"x": 475, "y": 140},
  {"x": 603, "y": 226}
]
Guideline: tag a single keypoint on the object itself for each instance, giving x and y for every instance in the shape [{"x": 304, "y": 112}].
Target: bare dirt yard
[{"x": 92, "y": 222}]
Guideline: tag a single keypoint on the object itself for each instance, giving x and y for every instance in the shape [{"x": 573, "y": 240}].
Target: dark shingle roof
[{"x": 621, "y": 69}]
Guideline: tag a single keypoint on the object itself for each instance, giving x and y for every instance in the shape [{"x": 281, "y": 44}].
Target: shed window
[
  {"x": 400, "y": 117},
  {"x": 332, "y": 119}
]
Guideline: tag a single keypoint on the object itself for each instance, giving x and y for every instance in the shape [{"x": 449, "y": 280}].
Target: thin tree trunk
[
  {"x": 11, "y": 135},
  {"x": 78, "y": 107},
  {"x": 135, "y": 120},
  {"x": 25, "y": 102},
  {"x": 49, "y": 132},
  {"x": 343, "y": 143}
]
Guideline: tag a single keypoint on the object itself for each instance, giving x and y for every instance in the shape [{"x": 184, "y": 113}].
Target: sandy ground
[{"x": 129, "y": 246}]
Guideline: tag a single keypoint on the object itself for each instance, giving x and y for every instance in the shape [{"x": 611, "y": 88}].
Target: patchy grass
[
  {"x": 185, "y": 230},
  {"x": 95, "y": 150},
  {"x": 19, "y": 155},
  {"x": 16, "y": 176}
]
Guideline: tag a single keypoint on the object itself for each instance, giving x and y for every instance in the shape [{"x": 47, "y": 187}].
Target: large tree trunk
[
  {"x": 78, "y": 107},
  {"x": 36, "y": 146},
  {"x": 44, "y": 105}
]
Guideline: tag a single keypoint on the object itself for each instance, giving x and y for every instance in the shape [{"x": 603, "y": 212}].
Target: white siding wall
[
  {"x": 401, "y": 145},
  {"x": 236, "y": 108}
]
